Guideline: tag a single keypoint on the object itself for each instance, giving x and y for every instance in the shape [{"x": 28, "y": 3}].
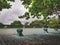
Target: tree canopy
[
  {"x": 5, "y": 4},
  {"x": 37, "y": 8},
  {"x": 44, "y": 7}
]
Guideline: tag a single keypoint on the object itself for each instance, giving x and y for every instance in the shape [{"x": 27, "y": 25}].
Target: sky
[{"x": 8, "y": 16}]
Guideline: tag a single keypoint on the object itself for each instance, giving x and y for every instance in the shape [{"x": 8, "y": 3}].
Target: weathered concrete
[{"x": 36, "y": 39}]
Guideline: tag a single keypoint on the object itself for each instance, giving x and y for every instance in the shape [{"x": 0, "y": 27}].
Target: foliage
[
  {"x": 53, "y": 23},
  {"x": 26, "y": 15},
  {"x": 15, "y": 24},
  {"x": 36, "y": 8},
  {"x": 37, "y": 24},
  {"x": 5, "y": 4},
  {"x": 43, "y": 7},
  {"x": 1, "y": 25},
  {"x": 26, "y": 25},
  {"x": 46, "y": 7}
]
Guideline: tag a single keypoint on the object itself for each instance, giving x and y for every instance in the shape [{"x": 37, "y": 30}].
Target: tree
[
  {"x": 1, "y": 25},
  {"x": 5, "y": 4},
  {"x": 54, "y": 23},
  {"x": 26, "y": 25},
  {"x": 42, "y": 7},
  {"x": 36, "y": 7},
  {"x": 16, "y": 24},
  {"x": 36, "y": 24},
  {"x": 45, "y": 7}
]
